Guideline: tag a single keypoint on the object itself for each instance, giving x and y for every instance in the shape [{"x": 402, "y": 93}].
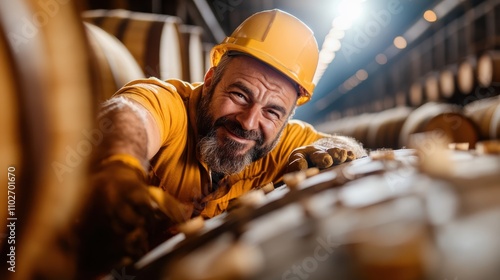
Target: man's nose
[{"x": 249, "y": 118}]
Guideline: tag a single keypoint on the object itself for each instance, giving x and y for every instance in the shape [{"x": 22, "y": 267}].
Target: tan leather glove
[
  {"x": 117, "y": 216},
  {"x": 317, "y": 156},
  {"x": 327, "y": 151}
]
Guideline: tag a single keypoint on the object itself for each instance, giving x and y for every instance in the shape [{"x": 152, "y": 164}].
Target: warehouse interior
[{"x": 417, "y": 82}]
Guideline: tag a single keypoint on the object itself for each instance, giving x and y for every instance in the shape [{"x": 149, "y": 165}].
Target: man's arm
[
  {"x": 134, "y": 131},
  {"x": 116, "y": 221}
]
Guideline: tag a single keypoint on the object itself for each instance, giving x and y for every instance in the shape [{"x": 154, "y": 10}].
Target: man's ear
[{"x": 208, "y": 77}]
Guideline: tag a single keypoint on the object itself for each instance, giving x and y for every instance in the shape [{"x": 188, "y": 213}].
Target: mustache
[{"x": 235, "y": 128}]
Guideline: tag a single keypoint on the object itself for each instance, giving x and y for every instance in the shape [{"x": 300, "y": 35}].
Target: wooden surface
[{"x": 383, "y": 218}]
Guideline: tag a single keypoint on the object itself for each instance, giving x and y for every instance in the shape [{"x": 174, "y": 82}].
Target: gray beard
[{"x": 222, "y": 159}]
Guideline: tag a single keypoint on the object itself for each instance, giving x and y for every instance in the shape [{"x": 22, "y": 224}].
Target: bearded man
[{"x": 202, "y": 144}]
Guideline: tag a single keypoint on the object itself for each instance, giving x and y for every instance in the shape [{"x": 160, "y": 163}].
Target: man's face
[{"x": 242, "y": 116}]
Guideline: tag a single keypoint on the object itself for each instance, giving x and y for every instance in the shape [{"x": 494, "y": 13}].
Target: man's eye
[
  {"x": 237, "y": 94},
  {"x": 274, "y": 114}
]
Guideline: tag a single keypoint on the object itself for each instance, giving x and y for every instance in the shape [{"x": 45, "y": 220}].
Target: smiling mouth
[{"x": 235, "y": 137}]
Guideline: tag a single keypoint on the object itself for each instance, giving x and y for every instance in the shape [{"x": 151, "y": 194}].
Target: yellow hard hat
[{"x": 280, "y": 40}]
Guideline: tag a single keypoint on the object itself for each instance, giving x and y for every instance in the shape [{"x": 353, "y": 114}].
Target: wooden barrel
[
  {"x": 50, "y": 95},
  {"x": 192, "y": 53},
  {"x": 448, "y": 83},
  {"x": 384, "y": 128},
  {"x": 466, "y": 75},
  {"x": 336, "y": 126},
  {"x": 431, "y": 85},
  {"x": 354, "y": 126},
  {"x": 388, "y": 102},
  {"x": 343, "y": 126},
  {"x": 445, "y": 118},
  {"x": 417, "y": 93},
  {"x": 401, "y": 98},
  {"x": 359, "y": 127},
  {"x": 456, "y": 126},
  {"x": 94, "y": 16},
  {"x": 113, "y": 64},
  {"x": 486, "y": 114},
  {"x": 488, "y": 69},
  {"x": 377, "y": 105},
  {"x": 153, "y": 39},
  {"x": 10, "y": 144}
]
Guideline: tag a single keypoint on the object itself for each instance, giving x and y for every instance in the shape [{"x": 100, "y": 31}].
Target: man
[{"x": 203, "y": 144}]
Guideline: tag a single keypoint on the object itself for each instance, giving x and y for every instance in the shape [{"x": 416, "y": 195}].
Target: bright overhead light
[
  {"x": 381, "y": 59},
  {"x": 336, "y": 34},
  {"x": 361, "y": 74},
  {"x": 326, "y": 56},
  {"x": 332, "y": 45},
  {"x": 342, "y": 23},
  {"x": 347, "y": 85},
  {"x": 348, "y": 11},
  {"x": 430, "y": 16},
  {"x": 400, "y": 42}
]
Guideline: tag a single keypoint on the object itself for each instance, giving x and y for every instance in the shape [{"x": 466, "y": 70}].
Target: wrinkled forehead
[{"x": 247, "y": 62}]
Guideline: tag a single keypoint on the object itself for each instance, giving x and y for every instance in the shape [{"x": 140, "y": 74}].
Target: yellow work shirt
[{"x": 177, "y": 168}]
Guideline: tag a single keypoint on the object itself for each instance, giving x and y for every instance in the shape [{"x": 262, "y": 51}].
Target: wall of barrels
[
  {"x": 161, "y": 46},
  {"x": 48, "y": 100},
  {"x": 448, "y": 79}
]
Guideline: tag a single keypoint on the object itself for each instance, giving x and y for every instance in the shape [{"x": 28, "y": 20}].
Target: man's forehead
[{"x": 247, "y": 63}]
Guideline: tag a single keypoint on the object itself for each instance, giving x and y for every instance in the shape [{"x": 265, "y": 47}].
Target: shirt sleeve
[{"x": 163, "y": 103}]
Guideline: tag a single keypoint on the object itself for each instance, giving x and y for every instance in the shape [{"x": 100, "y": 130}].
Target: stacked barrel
[
  {"x": 163, "y": 46},
  {"x": 454, "y": 65},
  {"x": 46, "y": 110},
  {"x": 114, "y": 64}
]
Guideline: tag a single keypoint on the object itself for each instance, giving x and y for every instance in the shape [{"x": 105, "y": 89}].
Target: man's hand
[
  {"x": 114, "y": 226},
  {"x": 325, "y": 153},
  {"x": 317, "y": 156}
]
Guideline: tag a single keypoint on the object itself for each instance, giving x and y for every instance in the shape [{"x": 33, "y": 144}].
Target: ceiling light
[
  {"x": 350, "y": 9},
  {"x": 400, "y": 42},
  {"x": 336, "y": 34},
  {"x": 332, "y": 45},
  {"x": 326, "y": 56},
  {"x": 381, "y": 58},
  {"x": 430, "y": 16},
  {"x": 361, "y": 74}
]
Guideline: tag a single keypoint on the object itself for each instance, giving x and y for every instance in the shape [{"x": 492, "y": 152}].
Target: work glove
[
  {"x": 175, "y": 211},
  {"x": 117, "y": 217},
  {"x": 318, "y": 156}
]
